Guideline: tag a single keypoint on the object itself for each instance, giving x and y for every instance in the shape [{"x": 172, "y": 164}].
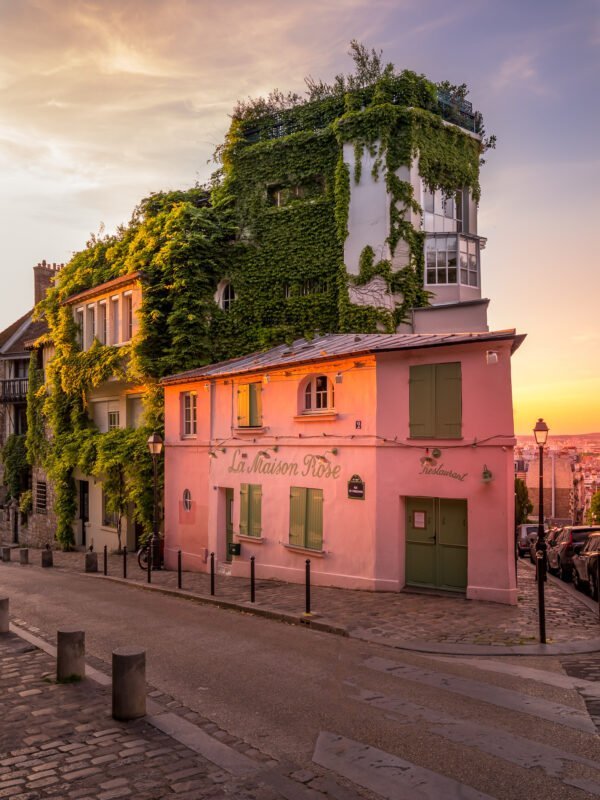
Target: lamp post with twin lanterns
[
  {"x": 155, "y": 445},
  {"x": 541, "y": 435}
]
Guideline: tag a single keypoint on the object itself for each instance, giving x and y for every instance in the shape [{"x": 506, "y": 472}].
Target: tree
[
  {"x": 593, "y": 514},
  {"x": 523, "y": 506}
]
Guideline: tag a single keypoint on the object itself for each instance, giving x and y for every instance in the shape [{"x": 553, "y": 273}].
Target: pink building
[{"x": 387, "y": 459}]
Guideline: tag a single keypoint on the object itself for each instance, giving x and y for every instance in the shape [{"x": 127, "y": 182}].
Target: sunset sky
[{"x": 103, "y": 102}]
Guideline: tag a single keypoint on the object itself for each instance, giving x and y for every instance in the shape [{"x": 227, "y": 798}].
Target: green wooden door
[
  {"x": 436, "y": 543},
  {"x": 228, "y": 521}
]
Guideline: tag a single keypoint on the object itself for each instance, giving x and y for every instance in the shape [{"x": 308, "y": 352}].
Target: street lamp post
[
  {"x": 541, "y": 435},
  {"x": 155, "y": 445}
]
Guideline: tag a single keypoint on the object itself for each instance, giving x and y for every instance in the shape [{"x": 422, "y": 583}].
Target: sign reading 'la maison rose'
[{"x": 311, "y": 466}]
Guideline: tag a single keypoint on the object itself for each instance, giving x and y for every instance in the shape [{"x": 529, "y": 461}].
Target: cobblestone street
[{"x": 385, "y": 617}]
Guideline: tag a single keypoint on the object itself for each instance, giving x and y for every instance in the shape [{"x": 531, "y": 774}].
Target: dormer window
[{"x": 318, "y": 395}]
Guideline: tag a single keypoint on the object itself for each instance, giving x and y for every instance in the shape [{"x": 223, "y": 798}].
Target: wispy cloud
[{"x": 519, "y": 70}]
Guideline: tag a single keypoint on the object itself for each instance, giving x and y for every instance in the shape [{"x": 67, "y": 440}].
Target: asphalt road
[{"x": 281, "y": 687}]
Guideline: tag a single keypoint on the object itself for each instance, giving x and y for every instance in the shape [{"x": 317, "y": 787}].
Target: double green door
[
  {"x": 436, "y": 543},
  {"x": 228, "y": 522}
]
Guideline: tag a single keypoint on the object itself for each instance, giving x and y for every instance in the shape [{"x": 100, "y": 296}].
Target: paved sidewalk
[
  {"x": 417, "y": 621},
  {"x": 60, "y": 741}
]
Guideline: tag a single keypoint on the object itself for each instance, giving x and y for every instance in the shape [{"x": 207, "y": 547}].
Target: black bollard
[
  {"x": 125, "y": 563},
  {"x": 212, "y": 574},
  {"x": 598, "y": 582},
  {"x": 307, "y": 586},
  {"x": 105, "y": 560},
  {"x": 149, "y": 564},
  {"x": 179, "y": 569},
  {"x": 252, "y": 592}
]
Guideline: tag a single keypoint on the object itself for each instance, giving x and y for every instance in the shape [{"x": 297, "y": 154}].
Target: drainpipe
[{"x": 553, "y": 455}]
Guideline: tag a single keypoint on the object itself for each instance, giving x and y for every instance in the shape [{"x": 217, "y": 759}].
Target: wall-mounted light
[
  {"x": 486, "y": 475},
  {"x": 275, "y": 448},
  {"x": 436, "y": 452},
  {"x": 322, "y": 459},
  {"x": 212, "y": 454},
  {"x": 266, "y": 378},
  {"x": 339, "y": 377},
  {"x": 264, "y": 454},
  {"x": 491, "y": 357},
  {"x": 206, "y": 387},
  {"x": 333, "y": 451}
]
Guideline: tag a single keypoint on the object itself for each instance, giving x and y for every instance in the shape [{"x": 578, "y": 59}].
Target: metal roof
[{"x": 335, "y": 345}]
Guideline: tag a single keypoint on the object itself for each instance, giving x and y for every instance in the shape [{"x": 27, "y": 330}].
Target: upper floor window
[
  {"x": 114, "y": 320},
  {"x": 310, "y": 187},
  {"x": 444, "y": 254},
  {"x": 189, "y": 411},
  {"x": 435, "y": 401},
  {"x": 442, "y": 214},
  {"x": 102, "y": 333},
  {"x": 127, "y": 317},
  {"x": 318, "y": 395},
  {"x": 227, "y": 297},
  {"x": 135, "y": 411},
  {"x": 249, "y": 405}
]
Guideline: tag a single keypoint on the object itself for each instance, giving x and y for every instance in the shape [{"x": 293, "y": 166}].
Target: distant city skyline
[{"x": 101, "y": 104}]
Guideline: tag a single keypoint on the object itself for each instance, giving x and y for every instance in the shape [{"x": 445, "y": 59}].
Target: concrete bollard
[
  {"x": 24, "y": 556},
  {"x": 47, "y": 560},
  {"x": 6, "y": 553},
  {"x": 70, "y": 655},
  {"x": 4, "y": 615},
  {"x": 91, "y": 562},
  {"x": 128, "y": 683}
]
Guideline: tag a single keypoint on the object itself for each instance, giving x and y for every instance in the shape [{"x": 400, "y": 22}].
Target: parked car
[
  {"x": 585, "y": 565},
  {"x": 551, "y": 537},
  {"x": 569, "y": 543},
  {"x": 524, "y": 534}
]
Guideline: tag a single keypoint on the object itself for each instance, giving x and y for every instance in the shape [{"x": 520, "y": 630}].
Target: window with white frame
[
  {"x": 115, "y": 335},
  {"x": 442, "y": 214},
  {"x": 469, "y": 260},
  {"x": 127, "y": 317},
  {"x": 189, "y": 413},
  {"x": 113, "y": 420},
  {"x": 227, "y": 297},
  {"x": 102, "y": 333},
  {"x": 110, "y": 519},
  {"x": 318, "y": 395},
  {"x": 441, "y": 258},
  {"x": 91, "y": 326}
]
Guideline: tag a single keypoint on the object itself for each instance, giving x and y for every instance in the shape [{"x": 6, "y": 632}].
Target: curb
[{"x": 416, "y": 646}]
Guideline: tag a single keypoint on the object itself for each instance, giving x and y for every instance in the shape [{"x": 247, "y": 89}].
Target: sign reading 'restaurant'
[
  {"x": 311, "y": 466},
  {"x": 442, "y": 472}
]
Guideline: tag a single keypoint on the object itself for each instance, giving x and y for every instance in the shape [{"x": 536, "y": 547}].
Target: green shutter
[
  {"x": 448, "y": 401},
  {"x": 244, "y": 509},
  {"x": 421, "y": 401},
  {"x": 297, "y": 515},
  {"x": 314, "y": 519},
  {"x": 255, "y": 523},
  {"x": 243, "y": 414},
  {"x": 255, "y": 405}
]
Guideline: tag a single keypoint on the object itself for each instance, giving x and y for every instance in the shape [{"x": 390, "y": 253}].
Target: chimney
[{"x": 43, "y": 278}]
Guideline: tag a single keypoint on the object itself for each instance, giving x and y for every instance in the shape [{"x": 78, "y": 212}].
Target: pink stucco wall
[{"x": 363, "y": 540}]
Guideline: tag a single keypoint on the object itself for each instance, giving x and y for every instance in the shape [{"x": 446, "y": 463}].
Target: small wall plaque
[
  {"x": 356, "y": 488},
  {"x": 419, "y": 519}
]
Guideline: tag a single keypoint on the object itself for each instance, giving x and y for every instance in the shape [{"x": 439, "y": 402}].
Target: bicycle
[{"x": 142, "y": 555}]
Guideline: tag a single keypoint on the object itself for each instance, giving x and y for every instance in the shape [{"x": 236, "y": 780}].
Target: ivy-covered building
[{"x": 355, "y": 211}]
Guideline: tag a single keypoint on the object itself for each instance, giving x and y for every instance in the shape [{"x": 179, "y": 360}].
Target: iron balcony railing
[{"x": 13, "y": 390}]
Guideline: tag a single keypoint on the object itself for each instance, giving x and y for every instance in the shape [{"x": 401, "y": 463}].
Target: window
[
  {"x": 249, "y": 405},
  {"x": 311, "y": 187},
  {"x": 469, "y": 273},
  {"x": 435, "y": 401},
  {"x": 187, "y": 500},
  {"x": 442, "y": 214},
  {"x": 441, "y": 254},
  {"x": 135, "y": 412},
  {"x": 115, "y": 337},
  {"x": 79, "y": 323},
  {"x": 127, "y": 317},
  {"x": 227, "y": 297},
  {"x": 110, "y": 519},
  {"x": 189, "y": 413},
  {"x": 318, "y": 395},
  {"x": 306, "y": 518},
  {"x": 113, "y": 420},
  {"x": 91, "y": 326},
  {"x": 41, "y": 498},
  {"x": 102, "y": 323},
  {"x": 250, "y": 510},
  {"x": 441, "y": 259}
]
